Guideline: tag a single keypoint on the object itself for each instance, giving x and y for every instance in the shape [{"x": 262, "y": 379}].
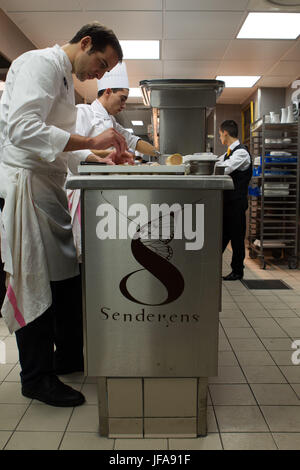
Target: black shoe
[
  {"x": 52, "y": 391},
  {"x": 232, "y": 277}
]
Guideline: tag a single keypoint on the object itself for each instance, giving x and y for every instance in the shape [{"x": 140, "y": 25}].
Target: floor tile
[
  {"x": 85, "y": 419},
  {"x": 240, "y": 333},
  {"x": 248, "y": 441},
  {"x": 90, "y": 393},
  {"x": 228, "y": 375},
  {"x": 228, "y": 314},
  {"x": 282, "y": 418},
  {"x": 14, "y": 375},
  {"x": 86, "y": 441},
  {"x": 240, "y": 419},
  {"x": 282, "y": 358},
  {"x": 22, "y": 440},
  {"x": 209, "y": 442},
  {"x": 224, "y": 345},
  {"x": 287, "y": 441},
  {"x": 77, "y": 377},
  {"x": 227, "y": 358},
  {"x": 234, "y": 322},
  {"x": 277, "y": 344},
  {"x": 10, "y": 392},
  {"x": 212, "y": 426},
  {"x": 275, "y": 394},
  {"x": 296, "y": 388},
  {"x": 239, "y": 394},
  {"x": 263, "y": 374},
  {"x": 292, "y": 373},
  {"x": 141, "y": 444},
  {"x": 254, "y": 358},
  {"x": 288, "y": 313},
  {"x": 4, "y": 437},
  {"x": 45, "y": 418},
  {"x": 258, "y": 313},
  {"x": 252, "y": 344},
  {"x": 10, "y": 415},
  {"x": 5, "y": 370}
]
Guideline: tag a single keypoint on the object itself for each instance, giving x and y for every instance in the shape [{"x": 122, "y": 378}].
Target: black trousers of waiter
[
  {"x": 234, "y": 231},
  {"x": 60, "y": 325}
]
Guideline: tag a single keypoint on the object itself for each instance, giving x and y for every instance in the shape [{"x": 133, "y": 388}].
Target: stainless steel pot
[{"x": 200, "y": 165}]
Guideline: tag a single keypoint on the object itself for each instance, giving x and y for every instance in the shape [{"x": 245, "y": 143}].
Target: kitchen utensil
[
  {"x": 290, "y": 117},
  {"x": 284, "y": 115},
  {"x": 200, "y": 164}
]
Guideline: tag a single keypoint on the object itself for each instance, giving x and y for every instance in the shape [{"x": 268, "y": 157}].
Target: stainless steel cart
[{"x": 151, "y": 305}]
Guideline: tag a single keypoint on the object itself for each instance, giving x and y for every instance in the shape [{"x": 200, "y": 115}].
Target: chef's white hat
[{"x": 116, "y": 78}]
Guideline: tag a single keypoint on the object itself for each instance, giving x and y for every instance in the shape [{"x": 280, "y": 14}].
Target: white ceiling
[{"x": 197, "y": 38}]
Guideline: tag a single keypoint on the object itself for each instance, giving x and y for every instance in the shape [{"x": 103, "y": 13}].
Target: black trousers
[
  {"x": 234, "y": 231},
  {"x": 60, "y": 325}
]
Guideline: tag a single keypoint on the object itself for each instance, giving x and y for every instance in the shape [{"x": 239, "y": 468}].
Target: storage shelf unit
[{"x": 273, "y": 205}]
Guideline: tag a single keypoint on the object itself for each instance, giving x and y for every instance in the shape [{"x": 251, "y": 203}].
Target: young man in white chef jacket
[
  {"x": 113, "y": 90},
  {"x": 37, "y": 130},
  {"x": 236, "y": 163}
]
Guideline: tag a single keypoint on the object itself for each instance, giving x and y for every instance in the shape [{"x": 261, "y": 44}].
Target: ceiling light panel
[
  {"x": 137, "y": 123},
  {"x": 270, "y": 26},
  {"x": 242, "y": 81},
  {"x": 141, "y": 49}
]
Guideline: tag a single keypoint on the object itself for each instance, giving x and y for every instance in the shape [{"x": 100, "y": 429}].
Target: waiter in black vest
[{"x": 237, "y": 163}]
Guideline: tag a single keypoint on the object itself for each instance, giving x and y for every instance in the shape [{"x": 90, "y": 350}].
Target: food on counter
[
  {"x": 154, "y": 164},
  {"x": 175, "y": 159}
]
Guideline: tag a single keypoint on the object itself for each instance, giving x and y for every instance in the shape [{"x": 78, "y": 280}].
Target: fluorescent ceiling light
[
  {"x": 235, "y": 81},
  {"x": 270, "y": 26},
  {"x": 129, "y": 130},
  {"x": 137, "y": 123},
  {"x": 135, "y": 92},
  {"x": 140, "y": 49}
]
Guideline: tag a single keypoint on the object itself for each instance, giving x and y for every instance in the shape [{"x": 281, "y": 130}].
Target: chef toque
[{"x": 116, "y": 78}]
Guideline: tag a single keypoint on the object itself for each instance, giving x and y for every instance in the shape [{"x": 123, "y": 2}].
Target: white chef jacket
[
  {"x": 93, "y": 120},
  {"x": 239, "y": 160},
  {"x": 37, "y": 117}
]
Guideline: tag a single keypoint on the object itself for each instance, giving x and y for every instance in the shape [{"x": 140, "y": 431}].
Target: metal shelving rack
[{"x": 273, "y": 213}]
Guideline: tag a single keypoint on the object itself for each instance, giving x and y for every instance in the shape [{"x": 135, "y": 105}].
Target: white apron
[{"x": 36, "y": 232}]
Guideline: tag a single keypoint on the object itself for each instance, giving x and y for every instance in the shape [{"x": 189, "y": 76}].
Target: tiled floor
[{"x": 254, "y": 403}]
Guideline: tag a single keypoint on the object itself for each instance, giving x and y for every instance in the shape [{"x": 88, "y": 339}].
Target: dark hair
[
  {"x": 115, "y": 90},
  {"x": 231, "y": 127},
  {"x": 101, "y": 38}
]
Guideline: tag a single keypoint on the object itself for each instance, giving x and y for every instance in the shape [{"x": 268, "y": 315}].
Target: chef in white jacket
[
  {"x": 37, "y": 130},
  {"x": 113, "y": 91}
]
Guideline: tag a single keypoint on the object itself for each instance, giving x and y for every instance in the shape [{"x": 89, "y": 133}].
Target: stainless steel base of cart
[{"x": 152, "y": 296}]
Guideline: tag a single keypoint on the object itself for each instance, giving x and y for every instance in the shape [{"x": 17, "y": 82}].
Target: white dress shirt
[{"x": 239, "y": 160}]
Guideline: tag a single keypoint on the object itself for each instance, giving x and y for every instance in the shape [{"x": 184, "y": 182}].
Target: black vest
[{"x": 240, "y": 178}]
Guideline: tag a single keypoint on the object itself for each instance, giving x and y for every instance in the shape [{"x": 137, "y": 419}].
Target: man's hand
[
  {"x": 109, "y": 138},
  {"x": 120, "y": 159},
  {"x": 94, "y": 158}
]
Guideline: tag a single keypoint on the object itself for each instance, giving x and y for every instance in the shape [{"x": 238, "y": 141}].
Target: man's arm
[
  {"x": 144, "y": 147},
  {"x": 108, "y": 138}
]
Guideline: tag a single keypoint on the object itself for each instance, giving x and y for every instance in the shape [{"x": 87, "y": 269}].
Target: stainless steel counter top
[{"x": 214, "y": 182}]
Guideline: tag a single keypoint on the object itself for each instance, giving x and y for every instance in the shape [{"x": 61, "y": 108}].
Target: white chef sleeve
[
  {"x": 130, "y": 138},
  {"x": 36, "y": 87}
]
